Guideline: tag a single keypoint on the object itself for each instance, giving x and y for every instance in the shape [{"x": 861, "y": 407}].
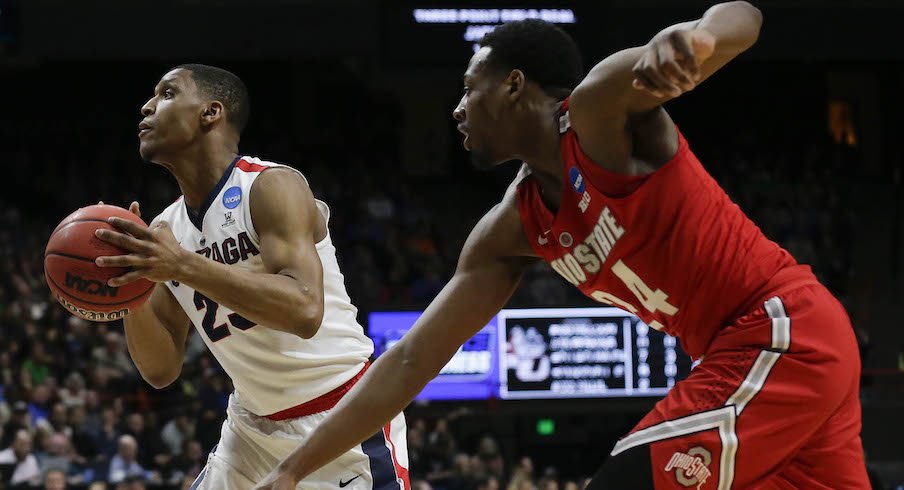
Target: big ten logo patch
[
  {"x": 580, "y": 187},
  {"x": 692, "y": 467}
]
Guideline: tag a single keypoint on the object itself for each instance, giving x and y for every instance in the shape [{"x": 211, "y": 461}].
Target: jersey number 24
[{"x": 653, "y": 301}]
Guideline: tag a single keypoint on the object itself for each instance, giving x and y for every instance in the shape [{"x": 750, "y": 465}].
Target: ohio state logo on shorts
[{"x": 691, "y": 468}]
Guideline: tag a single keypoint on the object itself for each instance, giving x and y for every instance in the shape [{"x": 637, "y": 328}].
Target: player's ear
[
  {"x": 212, "y": 112},
  {"x": 514, "y": 84}
]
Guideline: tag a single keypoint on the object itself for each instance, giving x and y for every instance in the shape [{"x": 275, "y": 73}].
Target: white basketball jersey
[{"x": 271, "y": 370}]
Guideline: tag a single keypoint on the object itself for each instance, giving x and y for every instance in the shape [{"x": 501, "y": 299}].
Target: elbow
[
  {"x": 756, "y": 16},
  {"x": 747, "y": 19},
  {"x": 160, "y": 379},
  {"x": 754, "y": 19},
  {"x": 306, "y": 319}
]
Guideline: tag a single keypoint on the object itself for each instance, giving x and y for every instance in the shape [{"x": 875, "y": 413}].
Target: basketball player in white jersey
[{"x": 246, "y": 257}]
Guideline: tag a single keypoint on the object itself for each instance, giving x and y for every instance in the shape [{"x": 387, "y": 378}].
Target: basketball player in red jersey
[{"x": 612, "y": 197}]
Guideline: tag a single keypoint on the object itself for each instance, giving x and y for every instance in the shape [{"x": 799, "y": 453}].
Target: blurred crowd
[{"x": 440, "y": 462}]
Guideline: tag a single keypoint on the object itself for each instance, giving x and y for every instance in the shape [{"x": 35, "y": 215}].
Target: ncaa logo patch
[
  {"x": 232, "y": 197},
  {"x": 576, "y": 179}
]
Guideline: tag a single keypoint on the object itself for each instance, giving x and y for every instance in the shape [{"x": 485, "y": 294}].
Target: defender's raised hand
[{"x": 671, "y": 64}]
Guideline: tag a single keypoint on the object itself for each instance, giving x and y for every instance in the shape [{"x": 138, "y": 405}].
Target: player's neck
[
  {"x": 539, "y": 134},
  {"x": 198, "y": 174}
]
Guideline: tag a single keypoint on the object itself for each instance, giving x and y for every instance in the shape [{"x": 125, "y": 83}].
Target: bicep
[
  {"x": 285, "y": 218},
  {"x": 600, "y": 105}
]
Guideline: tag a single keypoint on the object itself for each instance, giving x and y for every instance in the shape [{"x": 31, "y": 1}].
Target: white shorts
[{"x": 251, "y": 446}]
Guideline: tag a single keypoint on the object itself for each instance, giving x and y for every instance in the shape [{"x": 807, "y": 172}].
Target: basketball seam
[
  {"x": 63, "y": 290},
  {"x": 61, "y": 226},
  {"x": 68, "y": 256}
]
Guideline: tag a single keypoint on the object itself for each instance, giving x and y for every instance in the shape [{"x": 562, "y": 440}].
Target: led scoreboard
[{"x": 550, "y": 353}]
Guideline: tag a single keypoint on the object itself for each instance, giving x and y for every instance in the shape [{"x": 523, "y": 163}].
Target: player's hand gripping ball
[{"x": 72, "y": 275}]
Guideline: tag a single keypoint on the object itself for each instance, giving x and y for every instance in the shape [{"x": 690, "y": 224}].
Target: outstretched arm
[
  {"x": 486, "y": 276},
  {"x": 630, "y": 84}
]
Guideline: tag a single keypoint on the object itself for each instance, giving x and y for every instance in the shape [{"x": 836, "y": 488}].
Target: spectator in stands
[
  {"x": 84, "y": 447},
  {"x": 441, "y": 445},
  {"x": 93, "y": 412},
  {"x": 523, "y": 475},
  {"x": 54, "y": 479},
  {"x": 125, "y": 464},
  {"x": 20, "y": 420},
  {"x": 189, "y": 463},
  {"x": 134, "y": 482},
  {"x": 74, "y": 393},
  {"x": 59, "y": 419},
  {"x": 461, "y": 476},
  {"x": 491, "y": 461},
  {"x": 107, "y": 438},
  {"x": 40, "y": 403},
  {"x": 548, "y": 484},
  {"x": 112, "y": 357},
  {"x": 420, "y": 485},
  {"x": 38, "y": 363},
  {"x": 152, "y": 452},
  {"x": 487, "y": 483},
  {"x": 20, "y": 457},
  {"x": 58, "y": 456},
  {"x": 417, "y": 441},
  {"x": 176, "y": 432},
  {"x": 7, "y": 370}
]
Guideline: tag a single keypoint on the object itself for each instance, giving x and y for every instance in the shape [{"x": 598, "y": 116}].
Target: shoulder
[
  {"x": 281, "y": 200},
  {"x": 280, "y": 180},
  {"x": 249, "y": 164}
]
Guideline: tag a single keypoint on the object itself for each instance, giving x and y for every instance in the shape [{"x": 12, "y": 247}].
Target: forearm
[
  {"x": 152, "y": 347},
  {"x": 675, "y": 60},
  {"x": 464, "y": 306},
  {"x": 273, "y": 300},
  {"x": 363, "y": 411}
]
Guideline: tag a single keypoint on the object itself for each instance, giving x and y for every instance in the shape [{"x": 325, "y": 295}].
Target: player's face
[
  {"x": 480, "y": 113},
  {"x": 172, "y": 117}
]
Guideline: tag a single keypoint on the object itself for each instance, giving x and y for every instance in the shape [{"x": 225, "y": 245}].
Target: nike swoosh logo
[
  {"x": 343, "y": 484},
  {"x": 542, "y": 240}
]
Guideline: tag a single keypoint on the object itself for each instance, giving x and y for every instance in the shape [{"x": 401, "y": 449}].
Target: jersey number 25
[{"x": 218, "y": 332}]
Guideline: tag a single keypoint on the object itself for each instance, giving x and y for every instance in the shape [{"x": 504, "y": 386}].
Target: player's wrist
[
  {"x": 186, "y": 265},
  {"x": 291, "y": 467}
]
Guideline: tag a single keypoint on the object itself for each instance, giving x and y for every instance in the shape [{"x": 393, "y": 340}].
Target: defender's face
[
  {"x": 479, "y": 112},
  {"x": 172, "y": 117}
]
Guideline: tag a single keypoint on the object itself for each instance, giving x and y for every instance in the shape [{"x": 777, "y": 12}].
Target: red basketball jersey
[{"x": 670, "y": 247}]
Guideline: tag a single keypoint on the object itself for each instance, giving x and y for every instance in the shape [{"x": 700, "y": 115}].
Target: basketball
[{"x": 73, "y": 277}]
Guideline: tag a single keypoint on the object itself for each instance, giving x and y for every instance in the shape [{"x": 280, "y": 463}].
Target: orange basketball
[{"x": 73, "y": 277}]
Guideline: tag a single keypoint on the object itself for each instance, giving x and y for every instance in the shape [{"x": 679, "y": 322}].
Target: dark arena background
[{"x": 803, "y": 131}]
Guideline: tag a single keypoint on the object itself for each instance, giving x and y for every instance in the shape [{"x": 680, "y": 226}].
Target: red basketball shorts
[{"x": 773, "y": 405}]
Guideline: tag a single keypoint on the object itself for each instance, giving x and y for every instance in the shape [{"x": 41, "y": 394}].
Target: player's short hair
[
  {"x": 224, "y": 86},
  {"x": 544, "y": 52}
]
